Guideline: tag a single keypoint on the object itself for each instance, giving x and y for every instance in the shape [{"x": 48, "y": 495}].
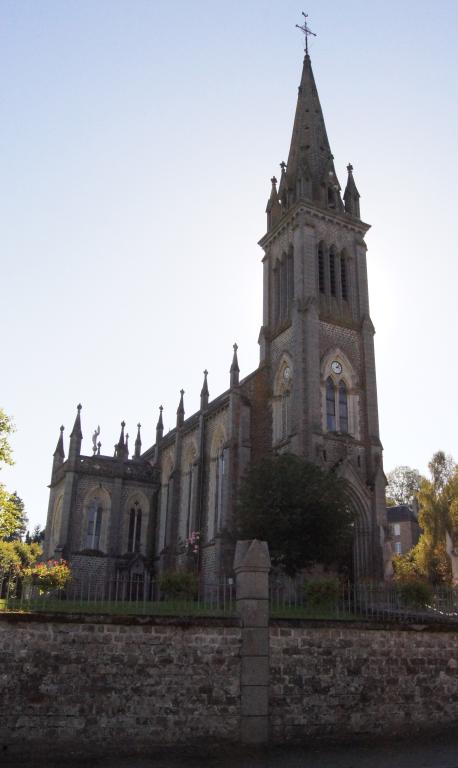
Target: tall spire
[
  {"x": 59, "y": 453},
  {"x": 76, "y": 431},
  {"x": 310, "y": 172},
  {"x": 76, "y": 437},
  {"x": 273, "y": 208},
  {"x": 122, "y": 449},
  {"x": 180, "y": 410},
  {"x": 235, "y": 370},
  {"x": 351, "y": 195},
  {"x": 204, "y": 393},
  {"x": 138, "y": 442},
  {"x": 159, "y": 426}
]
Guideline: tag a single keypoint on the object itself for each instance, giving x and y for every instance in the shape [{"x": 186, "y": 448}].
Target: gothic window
[
  {"x": 343, "y": 408},
  {"x": 94, "y": 522},
  {"x": 343, "y": 277},
  {"x": 284, "y": 415},
  {"x": 283, "y": 289},
  {"x": 332, "y": 272},
  {"x": 321, "y": 280},
  {"x": 290, "y": 280},
  {"x": 330, "y": 406},
  {"x": 219, "y": 488},
  {"x": 276, "y": 293},
  {"x": 281, "y": 404},
  {"x": 340, "y": 395},
  {"x": 135, "y": 528},
  {"x": 189, "y": 502}
]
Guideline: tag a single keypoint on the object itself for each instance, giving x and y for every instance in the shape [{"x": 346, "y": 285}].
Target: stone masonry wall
[
  {"x": 338, "y": 681},
  {"x": 94, "y": 684},
  {"x": 128, "y": 684}
]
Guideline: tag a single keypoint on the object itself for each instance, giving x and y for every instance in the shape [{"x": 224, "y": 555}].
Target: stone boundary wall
[
  {"x": 102, "y": 684},
  {"x": 335, "y": 681}
]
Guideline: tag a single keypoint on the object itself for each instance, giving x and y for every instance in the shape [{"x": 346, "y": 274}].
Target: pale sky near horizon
[{"x": 138, "y": 139}]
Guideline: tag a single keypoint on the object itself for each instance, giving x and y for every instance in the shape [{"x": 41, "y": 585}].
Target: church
[{"x": 314, "y": 394}]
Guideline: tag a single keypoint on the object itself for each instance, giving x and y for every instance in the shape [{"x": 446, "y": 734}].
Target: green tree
[
  {"x": 13, "y": 521},
  {"x": 12, "y": 516},
  {"x": 403, "y": 485},
  {"x": 302, "y": 512},
  {"x": 437, "y": 516},
  {"x": 6, "y": 429}
]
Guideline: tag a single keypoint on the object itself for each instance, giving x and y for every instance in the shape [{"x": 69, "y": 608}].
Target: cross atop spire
[{"x": 307, "y": 32}]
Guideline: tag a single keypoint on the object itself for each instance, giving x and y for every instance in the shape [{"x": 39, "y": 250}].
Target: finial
[
  {"x": 99, "y": 445},
  {"x": 283, "y": 166},
  {"x": 204, "y": 393},
  {"x": 234, "y": 367},
  {"x": 180, "y": 410},
  {"x": 307, "y": 31},
  {"x": 349, "y": 167},
  {"x": 273, "y": 181},
  {"x": 138, "y": 442},
  {"x": 59, "y": 452},
  {"x": 159, "y": 425},
  {"x": 78, "y": 407}
]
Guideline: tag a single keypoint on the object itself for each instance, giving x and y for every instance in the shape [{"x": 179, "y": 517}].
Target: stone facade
[{"x": 313, "y": 394}]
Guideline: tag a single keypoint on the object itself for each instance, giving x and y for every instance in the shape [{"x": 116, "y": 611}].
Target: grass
[{"x": 124, "y": 608}]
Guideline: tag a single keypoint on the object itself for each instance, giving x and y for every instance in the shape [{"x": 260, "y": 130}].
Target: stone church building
[{"x": 314, "y": 393}]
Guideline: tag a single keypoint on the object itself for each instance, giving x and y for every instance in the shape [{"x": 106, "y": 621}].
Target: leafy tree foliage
[
  {"x": 302, "y": 512},
  {"x": 438, "y": 515},
  {"x": 13, "y": 521},
  {"x": 403, "y": 485},
  {"x": 6, "y": 429}
]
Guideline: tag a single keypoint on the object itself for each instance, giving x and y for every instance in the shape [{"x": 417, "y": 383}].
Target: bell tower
[{"x": 316, "y": 340}]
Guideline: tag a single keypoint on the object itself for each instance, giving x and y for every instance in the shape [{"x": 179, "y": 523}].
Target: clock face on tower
[{"x": 336, "y": 367}]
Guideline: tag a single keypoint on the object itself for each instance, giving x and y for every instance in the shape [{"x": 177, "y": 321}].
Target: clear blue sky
[{"x": 138, "y": 138}]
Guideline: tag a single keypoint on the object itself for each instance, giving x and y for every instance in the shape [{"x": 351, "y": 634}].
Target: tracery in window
[
  {"x": 94, "y": 523},
  {"x": 135, "y": 528},
  {"x": 321, "y": 280},
  {"x": 330, "y": 406},
  {"x": 281, "y": 402},
  {"x": 340, "y": 394},
  {"x": 332, "y": 272},
  {"x": 343, "y": 408},
  {"x": 343, "y": 276}
]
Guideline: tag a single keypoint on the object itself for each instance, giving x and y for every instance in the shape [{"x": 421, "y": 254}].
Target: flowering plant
[
  {"x": 192, "y": 543},
  {"x": 51, "y": 575}
]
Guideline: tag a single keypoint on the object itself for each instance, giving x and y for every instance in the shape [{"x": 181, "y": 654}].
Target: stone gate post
[{"x": 252, "y": 566}]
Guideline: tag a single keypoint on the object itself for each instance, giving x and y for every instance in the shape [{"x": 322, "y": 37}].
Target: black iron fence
[
  {"x": 289, "y": 598},
  {"x": 393, "y": 603},
  {"x": 121, "y": 595}
]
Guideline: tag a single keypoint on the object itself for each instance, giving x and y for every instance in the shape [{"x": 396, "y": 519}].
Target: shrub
[
  {"x": 415, "y": 592},
  {"x": 322, "y": 593},
  {"x": 179, "y": 585},
  {"x": 51, "y": 575}
]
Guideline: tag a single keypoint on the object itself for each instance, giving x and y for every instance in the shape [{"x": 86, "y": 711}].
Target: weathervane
[{"x": 306, "y": 30}]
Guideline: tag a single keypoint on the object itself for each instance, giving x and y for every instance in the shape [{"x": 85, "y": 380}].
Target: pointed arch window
[
  {"x": 343, "y": 277},
  {"x": 290, "y": 279},
  {"x": 135, "y": 528},
  {"x": 330, "y": 406},
  {"x": 94, "y": 523},
  {"x": 332, "y": 272},
  {"x": 220, "y": 471},
  {"x": 284, "y": 415},
  {"x": 321, "y": 280},
  {"x": 343, "y": 408}
]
